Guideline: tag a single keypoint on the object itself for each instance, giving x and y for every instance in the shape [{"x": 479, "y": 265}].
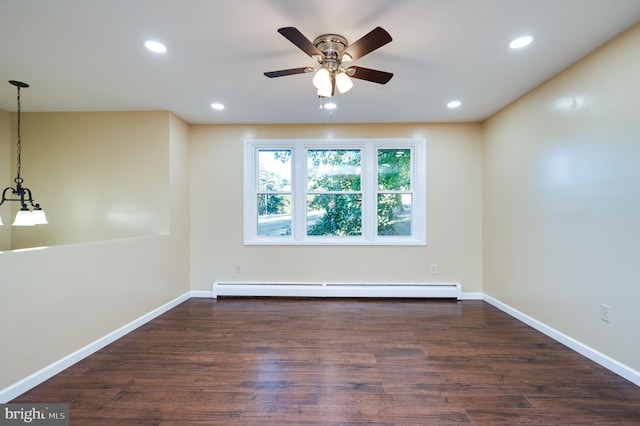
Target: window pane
[
  {"x": 274, "y": 214},
  {"x": 334, "y": 169},
  {"x": 394, "y": 214},
  {"x": 342, "y": 191},
  {"x": 394, "y": 169},
  {"x": 334, "y": 214},
  {"x": 274, "y": 170}
]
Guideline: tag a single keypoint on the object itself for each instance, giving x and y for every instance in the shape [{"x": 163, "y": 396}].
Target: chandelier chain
[{"x": 18, "y": 179}]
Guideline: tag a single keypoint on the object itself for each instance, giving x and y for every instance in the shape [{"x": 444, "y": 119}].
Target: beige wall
[
  {"x": 562, "y": 201},
  {"x": 454, "y": 212},
  {"x": 57, "y": 299},
  {"x": 97, "y": 175},
  {"x": 5, "y": 177},
  {"x": 180, "y": 200}
]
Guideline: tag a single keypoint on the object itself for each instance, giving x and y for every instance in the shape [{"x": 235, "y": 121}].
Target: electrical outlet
[
  {"x": 238, "y": 269},
  {"x": 434, "y": 268},
  {"x": 605, "y": 313}
]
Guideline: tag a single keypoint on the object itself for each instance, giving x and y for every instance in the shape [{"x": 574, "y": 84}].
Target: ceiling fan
[{"x": 332, "y": 51}]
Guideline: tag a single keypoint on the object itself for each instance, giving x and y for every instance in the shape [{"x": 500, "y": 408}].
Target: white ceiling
[{"x": 88, "y": 55}]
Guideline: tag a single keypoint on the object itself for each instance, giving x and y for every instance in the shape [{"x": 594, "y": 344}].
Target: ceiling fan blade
[
  {"x": 296, "y": 37},
  {"x": 291, "y": 71},
  {"x": 375, "y": 76},
  {"x": 375, "y": 39}
]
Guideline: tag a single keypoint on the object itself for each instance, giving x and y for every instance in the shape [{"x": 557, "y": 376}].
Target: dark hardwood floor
[{"x": 338, "y": 362}]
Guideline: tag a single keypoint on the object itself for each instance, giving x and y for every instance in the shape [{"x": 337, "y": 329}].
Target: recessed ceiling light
[
  {"x": 521, "y": 42},
  {"x": 217, "y": 106},
  {"x": 155, "y": 46},
  {"x": 454, "y": 104}
]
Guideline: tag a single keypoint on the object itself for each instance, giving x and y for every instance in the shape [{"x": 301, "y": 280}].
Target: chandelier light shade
[
  {"x": 38, "y": 217},
  {"x": 23, "y": 218},
  {"x": 30, "y": 213}
]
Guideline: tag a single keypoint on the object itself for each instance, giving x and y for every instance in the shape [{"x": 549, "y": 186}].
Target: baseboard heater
[{"x": 382, "y": 290}]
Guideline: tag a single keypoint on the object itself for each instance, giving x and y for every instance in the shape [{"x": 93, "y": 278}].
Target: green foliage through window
[
  {"x": 274, "y": 192},
  {"x": 394, "y": 200},
  {"x": 334, "y": 191},
  {"x": 334, "y": 182}
]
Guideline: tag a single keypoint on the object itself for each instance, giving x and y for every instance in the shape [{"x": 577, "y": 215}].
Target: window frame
[{"x": 369, "y": 188}]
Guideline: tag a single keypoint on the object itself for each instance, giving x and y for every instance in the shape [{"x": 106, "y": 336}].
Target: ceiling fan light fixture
[
  {"x": 343, "y": 82},
  {"x": 325, "y": 92},
  {"x": 322, "y": 79}
]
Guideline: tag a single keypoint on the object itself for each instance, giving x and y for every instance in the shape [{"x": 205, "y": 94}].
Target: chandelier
[{"x": 25, "y": 216}]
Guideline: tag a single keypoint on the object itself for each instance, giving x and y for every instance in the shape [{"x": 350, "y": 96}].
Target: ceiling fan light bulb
[
  {"x": 343, "y": 82},
  {"x": 322, "y": 79}
]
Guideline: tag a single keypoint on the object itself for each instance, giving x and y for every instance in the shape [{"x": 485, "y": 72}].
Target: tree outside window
[{"x": 335, "y": 192}]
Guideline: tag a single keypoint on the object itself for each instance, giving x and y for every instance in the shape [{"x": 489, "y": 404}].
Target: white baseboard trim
[
  {"x": 201, "y": 293},
  {"x": 472, "y": 296},
  {"x": 17, "y": 389},
  {"x": 607, "y": 362}
]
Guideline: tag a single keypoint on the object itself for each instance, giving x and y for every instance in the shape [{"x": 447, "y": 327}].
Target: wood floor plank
[{"x": 278, "y": 361}]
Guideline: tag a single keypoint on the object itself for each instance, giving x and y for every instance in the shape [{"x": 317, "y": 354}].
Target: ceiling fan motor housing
[{"x": 332, "y": 46}]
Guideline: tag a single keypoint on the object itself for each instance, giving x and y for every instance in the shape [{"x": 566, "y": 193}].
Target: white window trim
[{"x": 369, "y": 149}]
